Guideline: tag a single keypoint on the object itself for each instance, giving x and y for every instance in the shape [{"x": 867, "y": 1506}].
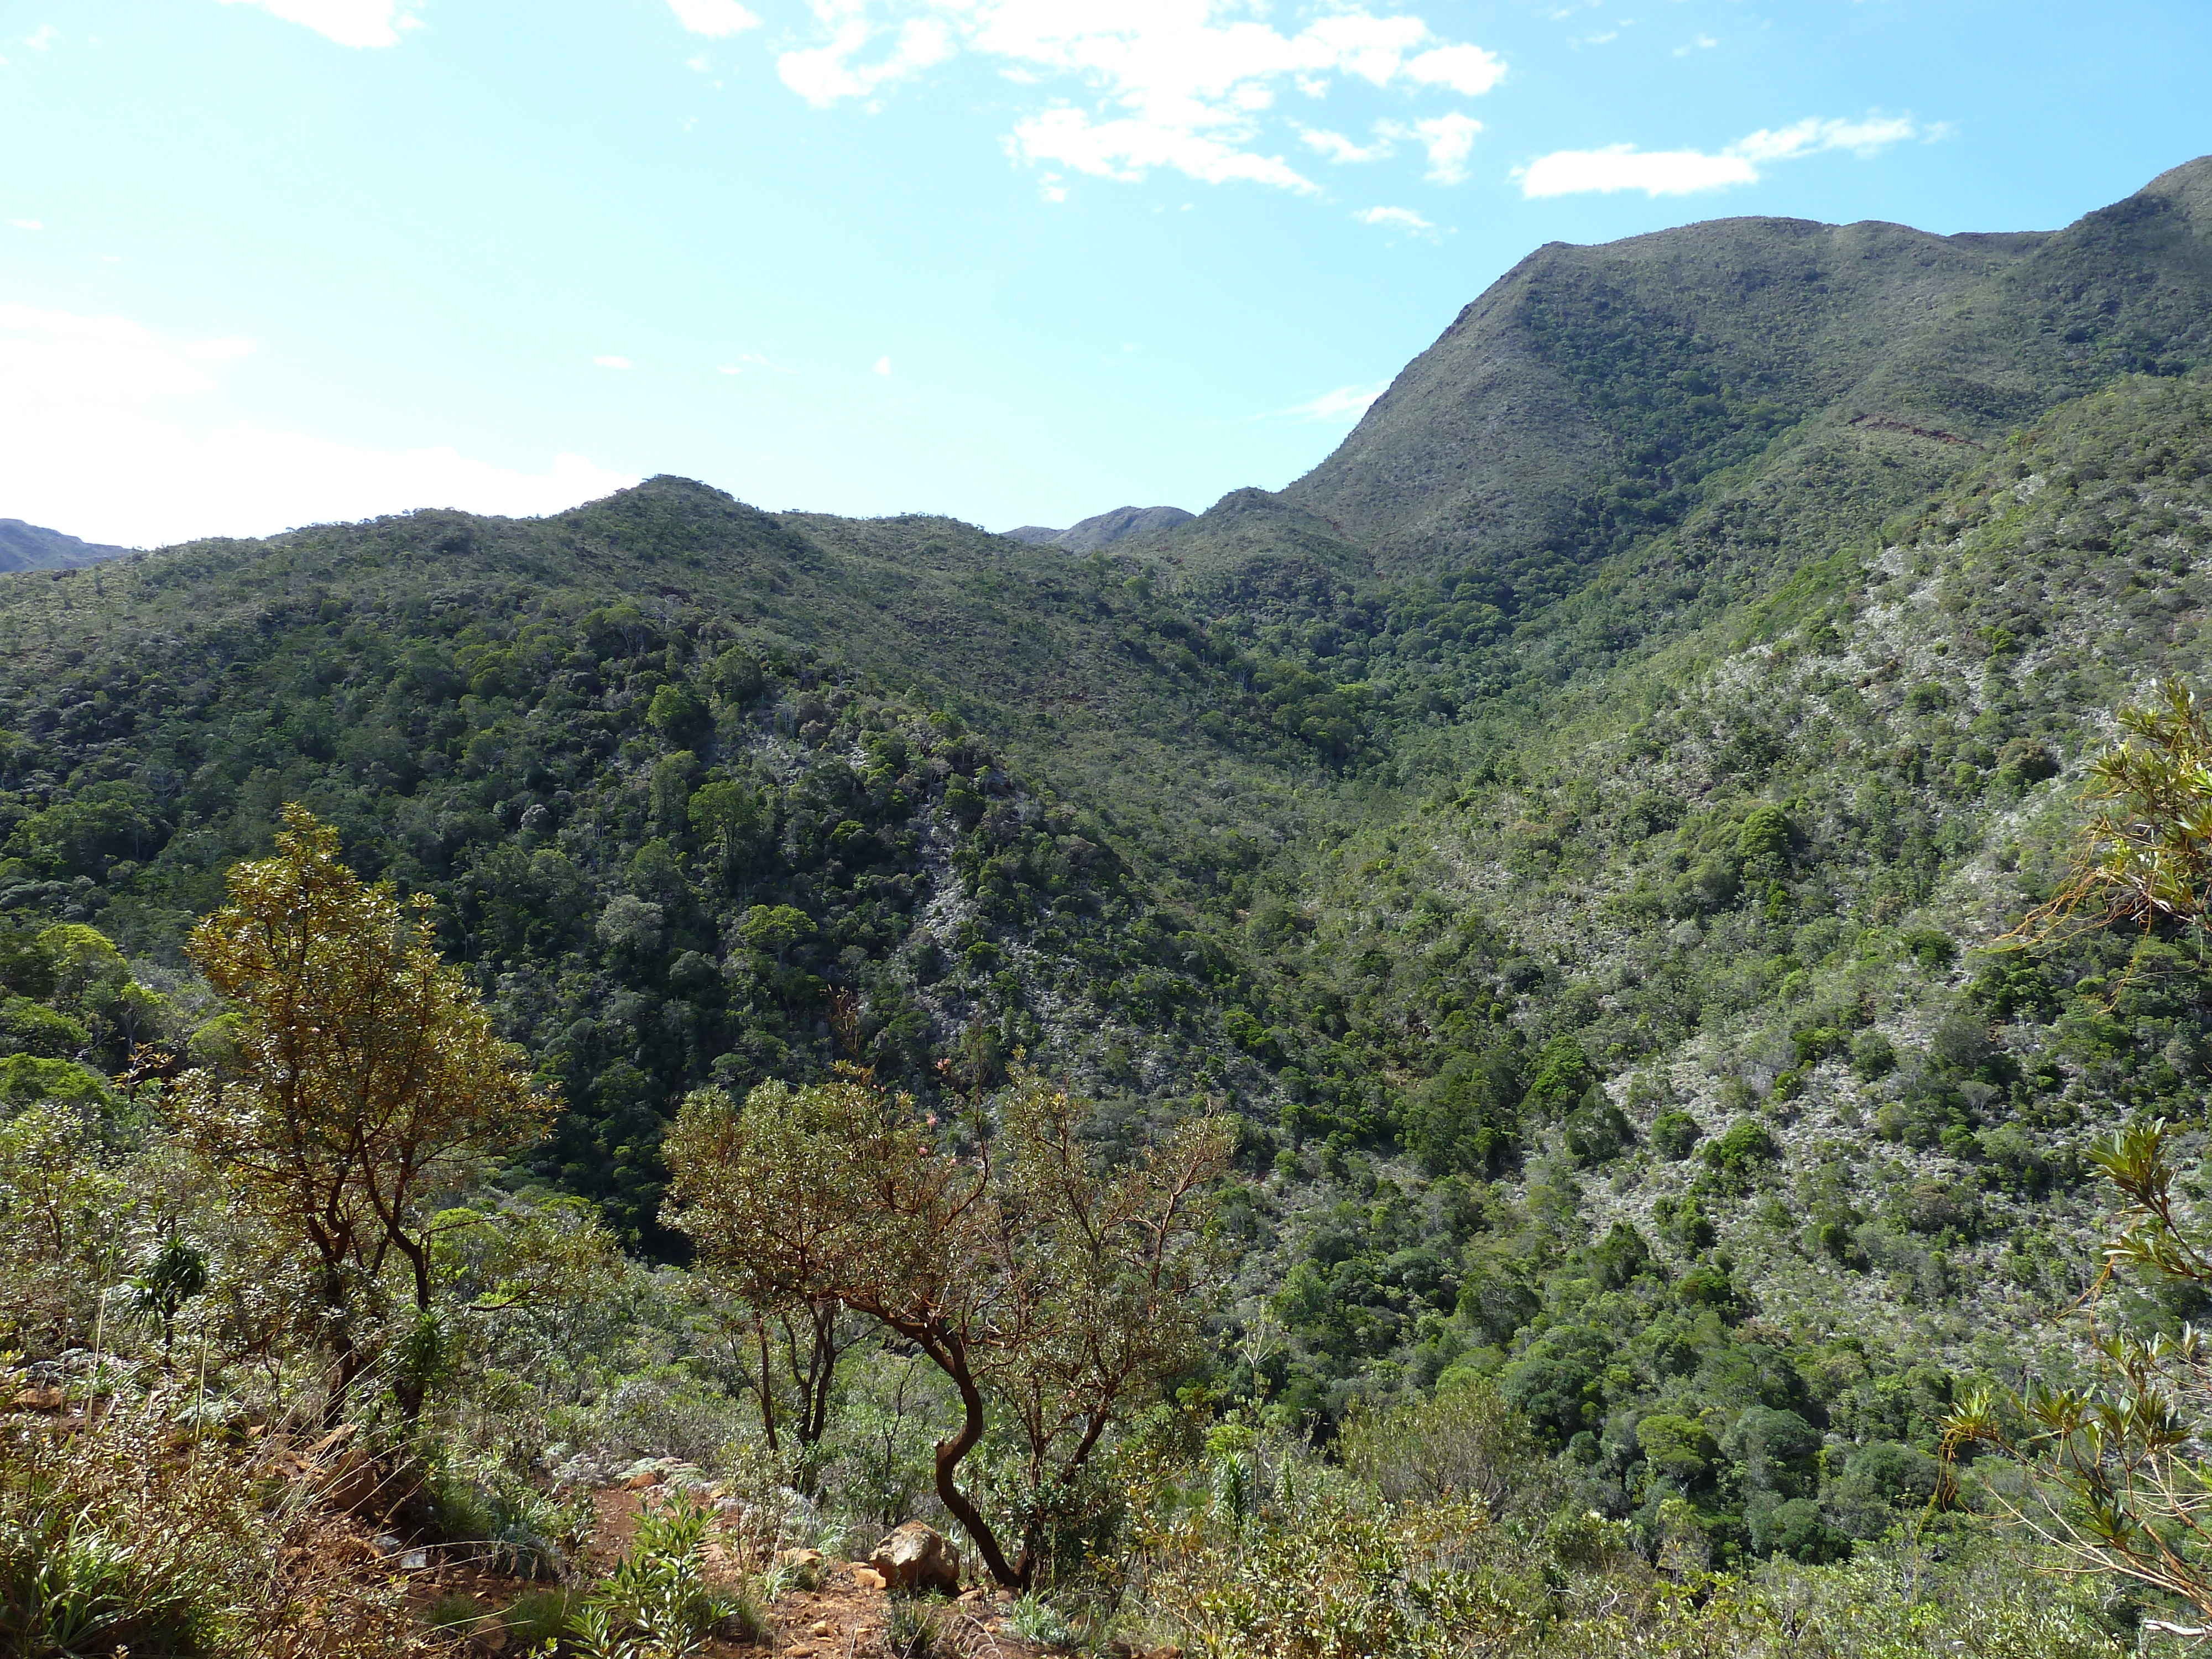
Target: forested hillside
[{"x": 1575, "y": 835}]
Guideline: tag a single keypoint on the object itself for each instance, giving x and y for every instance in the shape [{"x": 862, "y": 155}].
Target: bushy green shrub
[
  {"x": 1465, "y": 1443},
  {"x": 656, "y": 1604},
  {"x": 1742, "y": 1145},
  {"x": 1674, "y": 1133}
]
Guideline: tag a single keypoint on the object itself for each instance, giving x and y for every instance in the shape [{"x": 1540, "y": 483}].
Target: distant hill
[
  {"x": 1593, "y": 397},
  {"x": 33, "y": 547},
  {"x": 1102, "y": 529}
]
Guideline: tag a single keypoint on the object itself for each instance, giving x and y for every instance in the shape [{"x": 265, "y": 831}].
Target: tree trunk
[
  {"x": 821, "y": 1372},
  {"x": 767, "y": 1383},
  {"x": 351, "y": 1363},
  {"x": 951, "y": 1357}
]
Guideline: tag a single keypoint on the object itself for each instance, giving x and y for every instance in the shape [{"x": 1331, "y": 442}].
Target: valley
[{"x": 1579, "y": 835}]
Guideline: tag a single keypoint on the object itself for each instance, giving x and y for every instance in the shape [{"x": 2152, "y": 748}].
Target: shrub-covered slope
[
  {"x": 676, "y": 836},
  {"x": 1709, "y": 1094}
]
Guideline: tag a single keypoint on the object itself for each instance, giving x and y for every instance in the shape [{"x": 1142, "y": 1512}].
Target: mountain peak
[{"x": 1102, "y": 529}]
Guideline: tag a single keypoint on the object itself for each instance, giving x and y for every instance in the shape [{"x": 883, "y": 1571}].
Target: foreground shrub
[
  {"x": 127, "y": 1535},
  {"x": 655, "y": 1604},
  {"x": 1467, "y": 1442}
]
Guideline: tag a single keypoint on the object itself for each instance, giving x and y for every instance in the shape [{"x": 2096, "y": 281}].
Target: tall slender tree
[{"x": 364, "y": 1079}]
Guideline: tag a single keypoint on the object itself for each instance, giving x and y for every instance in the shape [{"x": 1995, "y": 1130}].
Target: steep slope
[{"x": 1704, "y": 978}]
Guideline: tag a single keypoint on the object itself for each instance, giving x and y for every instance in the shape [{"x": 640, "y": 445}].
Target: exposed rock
[
  {"x": 869, "y": 1578},
  {"x": 648, "y": 1472},
  {"x": 917, "y": 1557},
  {"x": 352, "y": 1482}
]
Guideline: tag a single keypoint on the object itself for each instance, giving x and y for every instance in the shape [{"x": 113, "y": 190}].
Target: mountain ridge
[
  {"x": 33, "y": 547},
  {"x": 1512, "y": 437}
]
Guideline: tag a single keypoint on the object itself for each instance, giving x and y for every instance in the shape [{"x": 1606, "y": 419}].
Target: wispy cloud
[
  {"x": 883, "y": 365},
  {"x": 27, "y": 224},
  {"x": 1140, "y": 85},
  {"x": 745, "y": 360},
  {"x": 1869, "y": 136},
  {"x": 1450, "y": 140},
  {"x": 1683, "y": 172},
  {"x": 1338, "y": 148},
  {"x": 348, "y": 22},
  {"x": 825, "y": 74},
  {"x": 715, "y": 19},
  {"x": 1701, "y": 43},
  {"x": 42, "y": 37},
  {"x": 1128, "y": 148},
  {"x": 98, "y": 398},
  {"x": 611, "y": 362},
  {"x": 1346, "y": 404},
  {"x": 1396, "y": 218}
]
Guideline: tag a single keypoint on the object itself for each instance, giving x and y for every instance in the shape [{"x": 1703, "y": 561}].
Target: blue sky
[{"x": 271, "y": 262}]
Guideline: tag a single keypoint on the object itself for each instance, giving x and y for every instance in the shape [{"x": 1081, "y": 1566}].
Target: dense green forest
[{"x": 1594, "y": 918}]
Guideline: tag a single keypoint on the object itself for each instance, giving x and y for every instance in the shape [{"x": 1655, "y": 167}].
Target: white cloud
[
  {"x": 1185, "y": 85},
  {"x": 348, "y": 22},
  {"x": 611, "y": 362},
  {"x": 1450, "y": 140},
  {"x": 1128, "y": 148},
  {"x": 1623, "y": 166},
  {"x": 1682, "y": 172},
  {"x": 1702, "y": 43},
  {"x": 1338, "y": 148},
  {"x": 1395, "y": 218},
  {"x": 1810, "y": 136},
  {"x": 1468, "y": 70},
  {"x": 715, "y": 19},
  {"x": 1348, "y": 402},
  {"x": 42, "y": 37},
  {"x": 745, "y": 360},
  {"x": 823, "y": 75},
  {"x": 97, "y": 439},
  {"x": 883, "y": 365},
  {"x": 27, "y": 224}
]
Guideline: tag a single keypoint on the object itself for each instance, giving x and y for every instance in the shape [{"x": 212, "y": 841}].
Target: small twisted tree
[{"x": 1037, "y": 1278}]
